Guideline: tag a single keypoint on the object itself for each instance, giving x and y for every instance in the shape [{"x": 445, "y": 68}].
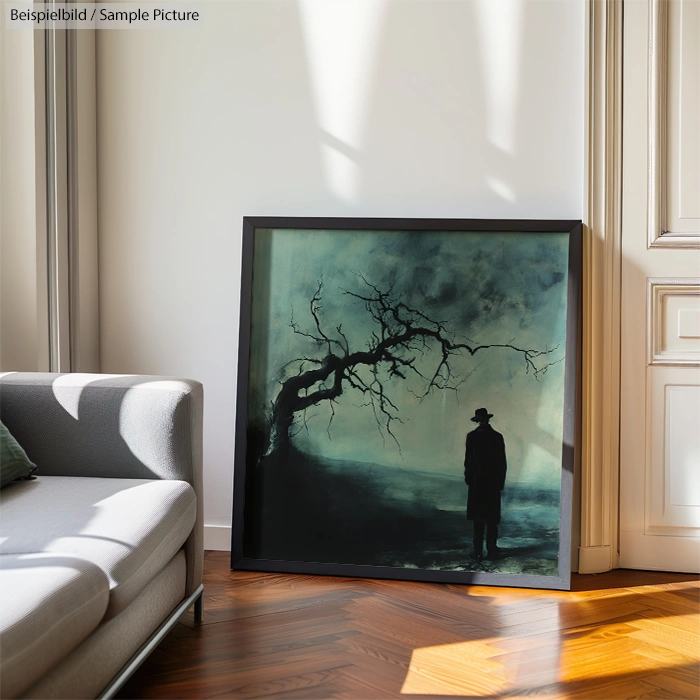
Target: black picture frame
[{"x": 246, "y": 499}]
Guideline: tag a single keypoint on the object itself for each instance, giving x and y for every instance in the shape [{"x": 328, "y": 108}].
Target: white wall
[
  {"x": 312, "y": 107},
  {"x": 18, "y": 253}
]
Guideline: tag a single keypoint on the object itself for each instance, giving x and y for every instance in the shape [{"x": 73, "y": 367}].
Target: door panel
[
  {"x": 660, "y": 363},
  {"x": 673, "y": 505},
  {"x": 683, "y": 109},
  {"x": 673, "y": 321}
]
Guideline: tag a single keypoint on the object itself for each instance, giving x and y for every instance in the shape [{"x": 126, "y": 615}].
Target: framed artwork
[{"x": 407, "y": 399}]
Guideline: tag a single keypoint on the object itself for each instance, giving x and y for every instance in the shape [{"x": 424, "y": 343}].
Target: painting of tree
[
  {"x": 370, "y": 351},
  {"x": 396, "y": 347}
]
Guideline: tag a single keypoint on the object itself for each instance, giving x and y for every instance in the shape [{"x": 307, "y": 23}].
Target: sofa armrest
[{"x": 116, "y": 426}]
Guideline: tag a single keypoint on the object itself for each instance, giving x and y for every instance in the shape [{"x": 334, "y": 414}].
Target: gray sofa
[{"x": 102, "y": 551}]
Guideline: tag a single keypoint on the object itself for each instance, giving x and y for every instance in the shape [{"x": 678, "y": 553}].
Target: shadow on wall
[
  {"x": 444, "y": 107},
  {"x": 445, "y": 91}
]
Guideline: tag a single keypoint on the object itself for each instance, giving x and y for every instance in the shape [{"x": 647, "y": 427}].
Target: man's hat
[{"x": 481, "y": 414}]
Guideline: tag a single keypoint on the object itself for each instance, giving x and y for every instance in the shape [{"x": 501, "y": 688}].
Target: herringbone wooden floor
[{"x": 624, "y": 634}]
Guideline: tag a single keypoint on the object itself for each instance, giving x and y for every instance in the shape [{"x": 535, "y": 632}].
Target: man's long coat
[{"x": 485, "y": 473}]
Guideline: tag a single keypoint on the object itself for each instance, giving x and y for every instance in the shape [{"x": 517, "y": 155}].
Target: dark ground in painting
[{"x": 311, "y": 509}]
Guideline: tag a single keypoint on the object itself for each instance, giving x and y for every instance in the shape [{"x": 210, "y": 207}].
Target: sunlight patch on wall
[
  {"x": 341, "y": 40},
  {"x": 502, "y": 189},
  {"x": 500, "y": 37},
  {"x": 342, "y": 173}
]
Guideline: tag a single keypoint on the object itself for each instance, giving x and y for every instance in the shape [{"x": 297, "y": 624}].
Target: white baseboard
[
  {"x": 594, "y": 560},
  {"x": 217, "y": 537}
]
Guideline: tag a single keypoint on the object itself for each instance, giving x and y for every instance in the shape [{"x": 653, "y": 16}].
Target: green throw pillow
[{"x": 14, "y": 463}]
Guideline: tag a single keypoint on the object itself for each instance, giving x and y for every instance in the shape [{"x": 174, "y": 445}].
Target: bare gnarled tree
[{"x": 401, "y": 339}]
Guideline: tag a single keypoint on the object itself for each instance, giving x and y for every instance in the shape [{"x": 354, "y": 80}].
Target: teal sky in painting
[{"x": 487, "y": 287}]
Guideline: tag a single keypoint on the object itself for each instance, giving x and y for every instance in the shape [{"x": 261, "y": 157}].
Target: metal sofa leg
[
  {"x": 199, "y": 608},
  {"x": 152, "y": 642}
]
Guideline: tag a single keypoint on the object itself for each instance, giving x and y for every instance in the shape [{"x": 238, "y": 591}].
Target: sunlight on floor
[
  {"x": 559, "y": 661},
  {"x": 465, "y": 668}
]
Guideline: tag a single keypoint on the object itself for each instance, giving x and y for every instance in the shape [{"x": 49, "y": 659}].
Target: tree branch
[{"x": 401, "y": 336}]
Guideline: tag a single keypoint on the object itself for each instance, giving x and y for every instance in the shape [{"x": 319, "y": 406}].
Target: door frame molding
[
  {"x": 66, "y": 167},
  {"x": 657, "y": 72},
  {"x": 602, "y": 291}
]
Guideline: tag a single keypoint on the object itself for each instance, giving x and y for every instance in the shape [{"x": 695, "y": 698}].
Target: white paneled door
[{"x": 660, "y": 373}]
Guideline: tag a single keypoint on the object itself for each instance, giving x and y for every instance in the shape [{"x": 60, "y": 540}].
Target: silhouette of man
[{"x": 485, "y": 474}]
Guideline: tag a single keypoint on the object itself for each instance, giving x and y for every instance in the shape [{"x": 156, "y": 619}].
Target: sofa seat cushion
[
  {"x": 130, "y": 528},
  {"x": 50, "y": 604}
]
